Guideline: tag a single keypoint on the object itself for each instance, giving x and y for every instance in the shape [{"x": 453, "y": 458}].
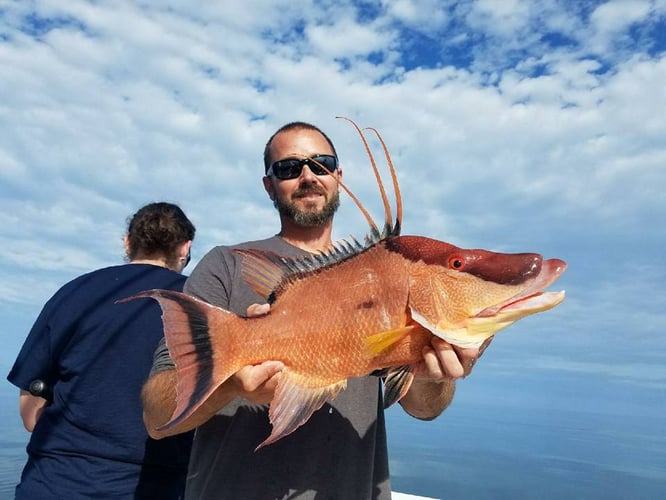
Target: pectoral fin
[
  {"x": 381, "y": 341},
  {"x": 294, "y": 403}
]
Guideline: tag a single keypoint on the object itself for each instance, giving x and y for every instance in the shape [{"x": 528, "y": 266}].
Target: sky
[{"x": 515, "y": 126}]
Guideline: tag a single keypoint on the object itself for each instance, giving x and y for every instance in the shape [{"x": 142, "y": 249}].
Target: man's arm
[
  {"x": 435, "y": 378},
  {"x": 255, "y": 383}
]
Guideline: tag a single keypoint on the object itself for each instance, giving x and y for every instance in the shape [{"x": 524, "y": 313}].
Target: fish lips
[{"x": 532, "y": 299}]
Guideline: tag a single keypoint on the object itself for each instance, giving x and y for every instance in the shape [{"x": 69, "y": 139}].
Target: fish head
[{"x": 467, "y": 295}]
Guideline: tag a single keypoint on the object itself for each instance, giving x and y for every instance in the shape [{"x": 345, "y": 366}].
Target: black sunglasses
[{"x": 292, "y": 167}]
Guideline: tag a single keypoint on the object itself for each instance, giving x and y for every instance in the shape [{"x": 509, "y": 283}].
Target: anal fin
[{"x": 294, "y": 403}]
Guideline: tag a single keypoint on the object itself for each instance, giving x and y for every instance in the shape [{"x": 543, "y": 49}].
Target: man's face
[{"x": 309, "y": 200}]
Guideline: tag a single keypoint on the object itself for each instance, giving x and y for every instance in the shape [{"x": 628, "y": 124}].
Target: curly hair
[{"x": 156, "y": 230}]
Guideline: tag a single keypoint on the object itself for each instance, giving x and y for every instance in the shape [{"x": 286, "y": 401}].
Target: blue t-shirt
[{"x": 96, "y": 354}]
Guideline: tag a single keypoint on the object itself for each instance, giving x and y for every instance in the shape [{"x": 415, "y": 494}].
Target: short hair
[
  {"x": 293, "y": 126},
  {"x": 156, "y": 230}
]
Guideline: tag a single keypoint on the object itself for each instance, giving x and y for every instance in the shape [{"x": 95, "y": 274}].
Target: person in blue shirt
[{"x": 81, "y": 369}]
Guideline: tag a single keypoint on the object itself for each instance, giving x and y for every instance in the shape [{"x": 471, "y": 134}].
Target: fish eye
[{"x": 456, "y": 263}]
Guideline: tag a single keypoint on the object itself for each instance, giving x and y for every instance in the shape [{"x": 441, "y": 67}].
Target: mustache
[{"x": 306, "y": 190}]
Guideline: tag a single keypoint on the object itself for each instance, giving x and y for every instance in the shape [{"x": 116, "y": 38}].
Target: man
[{"x": 341, "y": 452}]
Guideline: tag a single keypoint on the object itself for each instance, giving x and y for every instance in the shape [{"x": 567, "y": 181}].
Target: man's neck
[{"x": 312, "y": 239}]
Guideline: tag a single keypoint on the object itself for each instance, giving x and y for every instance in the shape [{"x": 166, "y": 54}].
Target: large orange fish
[{"x": 395, "y": 293}]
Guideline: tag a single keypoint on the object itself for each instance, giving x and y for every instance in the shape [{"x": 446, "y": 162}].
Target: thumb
[{"x": 258, "y": 310}]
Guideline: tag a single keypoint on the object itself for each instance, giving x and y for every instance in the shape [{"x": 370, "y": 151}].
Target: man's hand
[
  {"x": 434, "y": 377},
  {"x": 255, "y": 310},
  {"x": 257, "y": 383},
  {"x": 442, "y": 360}
]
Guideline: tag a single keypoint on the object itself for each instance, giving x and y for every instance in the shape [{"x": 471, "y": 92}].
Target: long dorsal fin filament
[
  {"x": 390, "y": 229},
  {"x": 396, "y": 186}
]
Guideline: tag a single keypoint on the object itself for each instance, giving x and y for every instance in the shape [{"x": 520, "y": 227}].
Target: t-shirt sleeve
[
  {"x": 37, "y": 358},
  {"x": 161, "y": 359},
  {"x": 210, "y": 280},
  {"x": 207, "y": 282}
]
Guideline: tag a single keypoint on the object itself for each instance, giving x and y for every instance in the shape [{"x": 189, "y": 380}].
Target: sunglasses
[{"x": 292, "y": 167}]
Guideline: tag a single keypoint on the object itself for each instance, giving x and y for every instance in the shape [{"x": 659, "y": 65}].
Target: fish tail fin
[{"x": 186, "y": 321}]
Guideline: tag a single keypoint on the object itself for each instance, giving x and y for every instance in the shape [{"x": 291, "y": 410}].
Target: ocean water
[
  {"x": 561, "y": 437},
  {"x": 558, "y": 437},
  {"x": 13, "y": 438}
]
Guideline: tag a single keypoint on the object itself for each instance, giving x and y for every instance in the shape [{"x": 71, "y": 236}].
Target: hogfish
[{"x": 350, "y": 311}]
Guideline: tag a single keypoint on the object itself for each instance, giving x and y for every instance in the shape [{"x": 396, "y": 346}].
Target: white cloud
[
  {"x": 500, "y": 18},
  {"x": 512, "y": 148},
  {"x": 423, "y": 15},
  {"x": 346, "y": 39},
  {"x": 616, "y": 16}
]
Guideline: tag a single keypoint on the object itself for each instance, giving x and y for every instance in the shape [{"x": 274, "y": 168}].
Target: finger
[
  {"x": 448, "y": 359},
  {"x": 252, "y": 377},
  {"x": 272, "y": 367},
  {"x": 433, "y": 368},
  {"x": 258, "y": 310},
  {"x": 467, "y": 358}
]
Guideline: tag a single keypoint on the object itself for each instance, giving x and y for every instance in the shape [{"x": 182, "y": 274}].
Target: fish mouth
[{"x": 533, "y": 298}]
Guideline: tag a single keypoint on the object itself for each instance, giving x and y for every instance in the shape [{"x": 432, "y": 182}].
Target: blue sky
[{"x": 514, "y": 125}]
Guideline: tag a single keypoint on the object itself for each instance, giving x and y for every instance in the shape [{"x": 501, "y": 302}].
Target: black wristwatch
[{"x": 40, "y": 389}]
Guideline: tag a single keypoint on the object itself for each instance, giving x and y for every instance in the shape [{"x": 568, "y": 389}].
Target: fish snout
[
  {"x": 523, "y": 267},
  {"x": 505, "y": 268},
  {"x": 556, "y": 266}
]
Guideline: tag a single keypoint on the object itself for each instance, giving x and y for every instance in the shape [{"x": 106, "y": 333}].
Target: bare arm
[
  {"x": 30, "y": 409},
  {"x": 255, "y": 383},
  {"x": 435, "y": 378}
]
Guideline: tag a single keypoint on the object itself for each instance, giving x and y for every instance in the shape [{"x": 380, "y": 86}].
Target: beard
[{"x": 308, "y": 217}]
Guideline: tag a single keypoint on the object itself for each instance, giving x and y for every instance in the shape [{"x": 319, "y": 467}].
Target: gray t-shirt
[{"x": 339, "y": 454}]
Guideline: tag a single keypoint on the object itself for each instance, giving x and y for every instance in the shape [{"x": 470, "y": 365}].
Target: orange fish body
[
  {"x": 358, "y": 297},
  {"x": 368, "y": 311},
  {"x": 320, "y": 342}
]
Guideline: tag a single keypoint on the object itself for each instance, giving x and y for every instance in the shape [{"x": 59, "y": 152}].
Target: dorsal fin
[
  {"x": 390, "y": 229},
  {"x": 263, "y": 271},
  {"x": 395, "y": 230},
  {"x": 266, "y": 272}
]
